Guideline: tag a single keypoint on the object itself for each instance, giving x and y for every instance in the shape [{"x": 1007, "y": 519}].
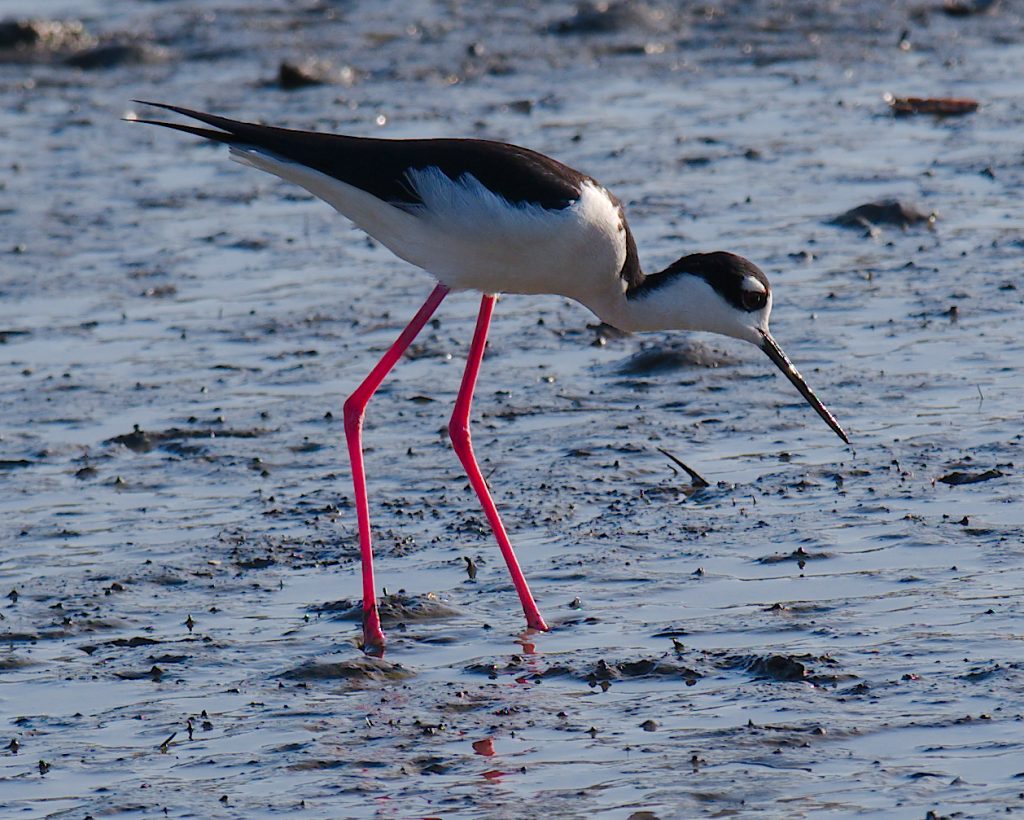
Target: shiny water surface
[{"x": 823, "y": 631}]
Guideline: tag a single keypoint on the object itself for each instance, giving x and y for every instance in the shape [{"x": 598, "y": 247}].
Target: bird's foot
[
  {"x": 373, "y": 635},
  {"x": 536, "y": 621}
]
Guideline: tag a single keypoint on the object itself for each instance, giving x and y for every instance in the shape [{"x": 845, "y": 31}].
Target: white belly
[{"x": 469, "y": 238}]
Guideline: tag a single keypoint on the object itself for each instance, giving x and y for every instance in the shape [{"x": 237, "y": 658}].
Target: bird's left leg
[
  {"x": 458, "y": 429},
  {"x": 355, "y": 409}
]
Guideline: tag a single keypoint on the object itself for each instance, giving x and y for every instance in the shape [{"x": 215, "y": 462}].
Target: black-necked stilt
[{"x": 497, "y": 218}]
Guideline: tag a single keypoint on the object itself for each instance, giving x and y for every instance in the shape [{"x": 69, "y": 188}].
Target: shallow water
[{"x": 823, "y": 631}]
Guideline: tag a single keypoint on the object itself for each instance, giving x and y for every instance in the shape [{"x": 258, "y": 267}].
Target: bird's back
[{"x": 379, "y": 166}]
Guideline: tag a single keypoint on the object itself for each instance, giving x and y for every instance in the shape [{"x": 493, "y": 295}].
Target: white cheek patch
[{"x": 752, "y": 285}]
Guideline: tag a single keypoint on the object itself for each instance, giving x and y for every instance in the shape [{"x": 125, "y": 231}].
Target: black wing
[{"x": 379, "y": 166}]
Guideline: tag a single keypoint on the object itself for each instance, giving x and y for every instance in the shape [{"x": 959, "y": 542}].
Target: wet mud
[{"x": 813, "y": 630}]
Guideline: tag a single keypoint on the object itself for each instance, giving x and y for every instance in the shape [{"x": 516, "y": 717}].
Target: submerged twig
[{"x": 697, "y": 479}]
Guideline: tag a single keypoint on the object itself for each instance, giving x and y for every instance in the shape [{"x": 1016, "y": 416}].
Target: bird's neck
[{"x": 666, "y": 300}]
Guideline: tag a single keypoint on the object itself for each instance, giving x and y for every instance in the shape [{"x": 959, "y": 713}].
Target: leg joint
[
  {"x": 353, "y": 410},
  {"x": 458, "y": 431}
]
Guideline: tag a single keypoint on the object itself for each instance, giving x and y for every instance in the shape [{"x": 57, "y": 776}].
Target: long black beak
[{"x": 782, "y": 361}]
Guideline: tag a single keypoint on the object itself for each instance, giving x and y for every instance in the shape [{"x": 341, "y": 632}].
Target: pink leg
[
  {"x": 458, "y": 429},
  {"x": 355, "y": 408}
]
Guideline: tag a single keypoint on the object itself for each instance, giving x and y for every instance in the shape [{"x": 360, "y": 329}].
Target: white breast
[{"x": 470, "y": 238}]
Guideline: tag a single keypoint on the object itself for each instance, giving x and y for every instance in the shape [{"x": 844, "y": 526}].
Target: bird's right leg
[
  {"x": 458, "y": 429},
  {"x": 355, "y": 408}
]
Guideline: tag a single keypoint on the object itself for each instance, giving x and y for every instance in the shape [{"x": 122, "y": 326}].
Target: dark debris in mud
[
  {"x": 15, "y": 463},
  {"x": 936, "y": 106},
  {"x": 154, "y": 673},
  {"x": 595, "y": 674},
  {"x": 143, "y": 441},
  {"x": 884, "y": 212},
  {"x": 649, "y": 668},
  {"x": 26, "y": 40},
  {"x": 617, "y": 16},
  {"x": 312, "y": 72},
  {"x": 786, "y": 668},
  {"x": 395, "y": 608},
  {"x": 676, "y": 354},
  {"x": 366, "y": 669},
  {"x": 698, "y": 482},
  {"x": 957, "y": 477},
  {"x": 799, "y": 556},
  {"x": 778, "y": 667},
  {"x": 70, "y": 43},
  {"x": 967, "y": 8}
]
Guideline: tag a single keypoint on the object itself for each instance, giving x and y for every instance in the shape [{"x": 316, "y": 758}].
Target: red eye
[{"x": 753, "y": 300}]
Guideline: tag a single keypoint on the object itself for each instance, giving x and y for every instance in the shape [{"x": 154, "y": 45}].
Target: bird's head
[{"x": 720, "y": 293}]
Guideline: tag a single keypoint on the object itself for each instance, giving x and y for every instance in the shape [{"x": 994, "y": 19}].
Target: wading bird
[{"x": 496, "y": 218}]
